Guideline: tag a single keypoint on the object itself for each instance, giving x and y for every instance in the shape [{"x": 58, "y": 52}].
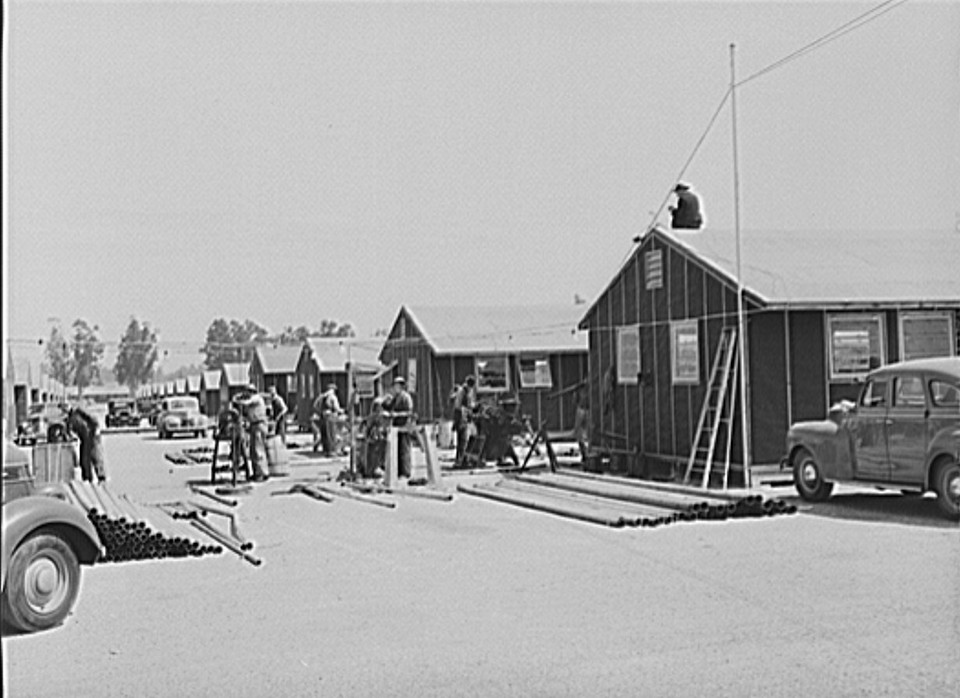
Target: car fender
[
  {"x": 945, "y": 442},
  {"x": 828, "y": 441},
  {"x": 23, "y": 516}
]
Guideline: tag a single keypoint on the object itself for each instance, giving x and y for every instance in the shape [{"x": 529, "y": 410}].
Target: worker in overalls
[
  {"x": 255, "y": 409},
  {"x": 86, "y": 428}
]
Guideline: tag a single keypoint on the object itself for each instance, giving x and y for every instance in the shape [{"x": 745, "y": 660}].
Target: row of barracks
[{"x": 821, "y": 309}]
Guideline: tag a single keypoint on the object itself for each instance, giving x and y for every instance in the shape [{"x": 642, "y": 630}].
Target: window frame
[
  {"x": 854, "y": 376},
  {"x": 623, "y": 377},
  {"x": 925, "y": 315},
  {"x": 676, "y": 328},
  {"x": 538, "y": 360},
  {"x": 481, "y": 387},
  {"x": 887, "y": 382},
  {"x": 897, "y": 392}
]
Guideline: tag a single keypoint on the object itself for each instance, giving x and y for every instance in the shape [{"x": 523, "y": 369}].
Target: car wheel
[
  {"x": 42, "y": 583},
  {"x": 808, "y": 478},
  {"x": 947, "y": 485}
]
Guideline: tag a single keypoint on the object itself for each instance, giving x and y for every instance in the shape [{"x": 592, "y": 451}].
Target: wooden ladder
[{"x": 717, "y": 411}]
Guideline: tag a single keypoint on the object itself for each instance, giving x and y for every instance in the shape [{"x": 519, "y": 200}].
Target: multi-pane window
[
  {"x": 492, "y": 373},
  {"x": 685, "y": 352},
  {"x": 926, "y": 334},
  {"x": 535, "y": 373},
  {"x": 855, "y": 344}
]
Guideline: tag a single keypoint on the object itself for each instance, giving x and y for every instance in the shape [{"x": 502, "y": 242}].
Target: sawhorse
[{"x": 551, "y": 456}]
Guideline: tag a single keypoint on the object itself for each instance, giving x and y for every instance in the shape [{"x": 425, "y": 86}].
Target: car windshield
[{"x": 184, "y": 404}]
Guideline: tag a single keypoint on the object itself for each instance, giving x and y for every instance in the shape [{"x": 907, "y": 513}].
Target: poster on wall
[
  {"x": 628, "y": 355},
  {"x": 685, "y": 352},
  {"x": 411, "y": 375}
]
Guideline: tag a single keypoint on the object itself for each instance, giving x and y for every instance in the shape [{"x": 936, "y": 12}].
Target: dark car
[
  {"x": 45, "y": 540},
  {"x": 902, "y": 433},
  {"x": 122, "y": 412}
]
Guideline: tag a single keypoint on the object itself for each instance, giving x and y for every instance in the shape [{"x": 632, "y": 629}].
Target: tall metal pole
[
  {"x": 351, "y": 397},
  {"x": 741, "y": 323}
]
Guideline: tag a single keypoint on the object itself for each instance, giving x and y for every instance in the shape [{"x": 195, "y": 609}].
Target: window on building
[
  {"x": 535, "y": 373},
  {"x": 926, "y": 334},
  {"x": 402, "y": 327},
  {"x": 856, "y": 345},
  {"x": 653, "y": 269},
  {"x": 492, "y": 373},
  {"x": 628, "y": 354},
  {"x": 685, "y": 352},
  {"x": 411, "y": 375}
]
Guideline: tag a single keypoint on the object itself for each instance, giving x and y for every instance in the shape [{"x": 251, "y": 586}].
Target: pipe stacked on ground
[{"x": 124, "y": 531}]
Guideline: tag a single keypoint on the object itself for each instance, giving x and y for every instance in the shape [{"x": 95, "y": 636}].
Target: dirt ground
[{"x": 476, "y": 598}]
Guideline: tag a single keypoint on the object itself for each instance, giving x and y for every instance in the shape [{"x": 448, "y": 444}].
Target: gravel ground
[{"x": 476, "y": 598}]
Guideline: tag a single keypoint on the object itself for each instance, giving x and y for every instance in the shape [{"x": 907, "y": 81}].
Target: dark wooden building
[
  {"x": 821, "y": 310},
  {"x": 324, "y": 360},
  {"x": 276, "y": 367},
  {"x": 233, "y": 379},
  {"x": 534, "y": 352},
  {"x": 210, "y": 392}
]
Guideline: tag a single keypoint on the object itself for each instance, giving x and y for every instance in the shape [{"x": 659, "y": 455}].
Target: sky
[{"x": 293, "y": 162}]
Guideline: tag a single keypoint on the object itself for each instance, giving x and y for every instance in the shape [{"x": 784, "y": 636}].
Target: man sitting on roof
[{"x": 686, "y": 214}]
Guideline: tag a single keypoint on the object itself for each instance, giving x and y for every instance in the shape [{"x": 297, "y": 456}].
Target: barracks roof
[
  {"x": 282, "y": 359},
  {"x": 535, "y": 328},
  {"x": 333, "y": 353}
]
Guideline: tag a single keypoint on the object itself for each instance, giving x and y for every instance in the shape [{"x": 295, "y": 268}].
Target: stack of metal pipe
[
  {"x": 126, "y": 532},
  {"x": 619, "y": 504}
]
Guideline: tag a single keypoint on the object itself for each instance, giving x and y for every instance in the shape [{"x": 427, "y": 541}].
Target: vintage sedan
[
  {"x": 181, "y": 415},
  {"x": 902, "y": 433},
  {"x": 45, "y": 540}
]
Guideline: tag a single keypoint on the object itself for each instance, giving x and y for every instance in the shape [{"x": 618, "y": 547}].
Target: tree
[
  {"x": 230, "y": 341},
  {"x": 137, "y": 356},
  {"x": 331, "y": 328},
  {"x": 87, "y": 351},
  {"x": 58, "y": 356}
]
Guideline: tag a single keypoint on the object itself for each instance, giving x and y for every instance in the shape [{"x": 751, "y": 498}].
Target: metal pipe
[
  {"x": 225, "y": 542},
  {"x": 479, "y": 491},
  {"x": 349, "y": 494},
  {"x": 215, "y": 497}
]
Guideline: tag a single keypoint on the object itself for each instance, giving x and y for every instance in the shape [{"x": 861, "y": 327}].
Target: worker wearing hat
[
  {"x": 686, "y": 214},
  {"x": 330, "y": 412},
  {"x": 255, "y": 410},
  {"x": 401, "y": 409}
]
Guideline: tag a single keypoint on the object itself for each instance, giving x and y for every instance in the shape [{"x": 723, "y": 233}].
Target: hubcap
[
  {"x": 809, "y": 473},
  {"x": 953, "y": 488},
  {"x": 45, "y": 584}
]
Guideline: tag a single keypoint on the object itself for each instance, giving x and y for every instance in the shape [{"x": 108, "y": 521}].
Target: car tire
[
  {"x": 43, "y": 582},
  {"x": 808, "y": 478},
  {"x": 947, "y": 485}
]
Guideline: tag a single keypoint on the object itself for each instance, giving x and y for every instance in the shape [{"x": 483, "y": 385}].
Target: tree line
[{"x": 74, "y": 357}]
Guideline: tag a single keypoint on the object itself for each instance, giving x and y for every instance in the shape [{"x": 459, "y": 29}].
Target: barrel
[
  {"x": 278, "y": 462},
  {"x": 54, "y": 462},
  {"x": 445, "y": 434}
]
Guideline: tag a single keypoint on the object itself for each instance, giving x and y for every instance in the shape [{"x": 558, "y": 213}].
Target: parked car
[
  {"x": 122, "y": 412},
  {"x": 45, "y": 540},
  {"x": 181, "y": 415},
  {"x": 40, "y": 421},
  {"x": 902, "y": 433}
]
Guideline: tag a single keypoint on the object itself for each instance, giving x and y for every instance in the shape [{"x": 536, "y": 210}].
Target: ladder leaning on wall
[{"x": 717, "y": 412}]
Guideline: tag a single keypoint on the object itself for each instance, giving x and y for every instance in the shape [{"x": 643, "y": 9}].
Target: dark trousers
[
  {"x": 328, "y": 433},
  {"x": 404, "y": 453},
  {"x": 281, "y": 430},
  {"x": 91, "y": 458},
  {"x": 463, "y": 437}
]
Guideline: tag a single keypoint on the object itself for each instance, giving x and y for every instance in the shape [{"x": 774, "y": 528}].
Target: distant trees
[
  {"x": 234, "y": 341},
  {"x": 137, "y": 355},
  {"x": 75, "y": 360}
]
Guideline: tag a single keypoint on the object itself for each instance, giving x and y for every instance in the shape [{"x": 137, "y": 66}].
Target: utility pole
[{"x": 741, "y": 323}]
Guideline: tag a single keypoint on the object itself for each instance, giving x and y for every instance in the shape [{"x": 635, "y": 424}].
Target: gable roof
[
  {"x": 828, "y": 267},
  {"x": 281, "y": 359},
  {"x": 193, "y": 383},
  {"x": 479, "y": 329},
  {"x": 211, "y": 380},
  {"x": 333, "y": 353},
  {"x": 236, "y": 374}
]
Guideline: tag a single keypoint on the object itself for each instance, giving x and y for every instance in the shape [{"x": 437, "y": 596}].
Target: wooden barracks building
[
  {"x": 821, "y": 310},
  {"x": 535, "y": 353}
]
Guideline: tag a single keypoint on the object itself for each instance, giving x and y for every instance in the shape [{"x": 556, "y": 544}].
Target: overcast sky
[{"x": 291, "y": 162}]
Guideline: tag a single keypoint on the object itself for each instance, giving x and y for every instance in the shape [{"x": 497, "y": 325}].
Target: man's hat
[
  {"x": 331, "y": 385},
  {"x": 681, "y": 186},
  {"x": 401, "y": 380},
  {"x": 469, "y": 380},
  {"x": 251, "y": 387}
]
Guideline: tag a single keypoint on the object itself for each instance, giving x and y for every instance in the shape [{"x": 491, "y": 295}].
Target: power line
[{"x": 846, "y": 28}]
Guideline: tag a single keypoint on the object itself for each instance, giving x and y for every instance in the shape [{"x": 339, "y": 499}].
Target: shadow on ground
[{"x": 885, "y": 507}]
